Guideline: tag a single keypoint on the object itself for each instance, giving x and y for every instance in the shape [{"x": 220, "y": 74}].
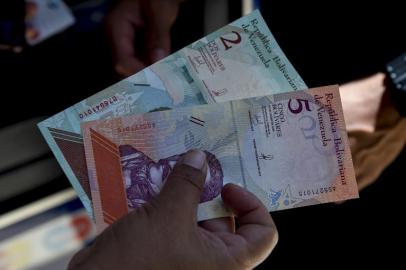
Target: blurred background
[{"x": 48, "y": 64}]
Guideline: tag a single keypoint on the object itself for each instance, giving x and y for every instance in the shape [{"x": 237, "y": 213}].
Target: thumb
[{"x": 181, "y": 193}]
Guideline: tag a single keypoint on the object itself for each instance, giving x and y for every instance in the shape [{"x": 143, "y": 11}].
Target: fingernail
[
  {"x": 158, "y": 54},
  {"x": 122, "y": 71},
  {"x": 194, "y": 158}
]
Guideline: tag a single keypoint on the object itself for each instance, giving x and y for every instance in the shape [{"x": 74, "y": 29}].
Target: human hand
[
  {"x": 361, "y": 100},
  {"x": 139, "y": 33},
  {"x": 375, "y": 128},
  {"x": 164, "y": 233}
]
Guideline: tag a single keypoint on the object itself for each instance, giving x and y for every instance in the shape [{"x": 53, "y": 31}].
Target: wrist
[{"x": 361, "y": 101}]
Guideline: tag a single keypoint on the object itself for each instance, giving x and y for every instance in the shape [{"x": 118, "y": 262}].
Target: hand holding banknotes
[
  {"x": 142, "y": 22},
  {"x": 164, "y": 233}
]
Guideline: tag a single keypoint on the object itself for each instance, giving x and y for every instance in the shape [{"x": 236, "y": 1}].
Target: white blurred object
[
  {"x": 45, "y": 18},
  {"x": 44, "y": 234},
  {"x": 36, "y": 208},
  {"x": 247, "y": 7}
]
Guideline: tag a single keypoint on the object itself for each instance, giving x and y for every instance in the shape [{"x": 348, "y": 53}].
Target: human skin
[
  {"x": 164, "y": 233},
  {"x": 144, "y": 177},
  {"x": 139, "y": 33}
]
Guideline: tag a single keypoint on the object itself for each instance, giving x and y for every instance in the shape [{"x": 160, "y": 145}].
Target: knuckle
[
  {"x": 149, "y": 209},
  {"x": 270, "y": 238},
  {"x": 190, "y": 175}
]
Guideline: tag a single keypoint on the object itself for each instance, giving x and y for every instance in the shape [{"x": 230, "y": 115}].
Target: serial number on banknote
[{"x": 317, "y": 191}]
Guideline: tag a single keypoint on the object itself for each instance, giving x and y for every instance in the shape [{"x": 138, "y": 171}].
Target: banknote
[
  {"x": 290, "y": 149},
  {"x": 239, "y": 60}
]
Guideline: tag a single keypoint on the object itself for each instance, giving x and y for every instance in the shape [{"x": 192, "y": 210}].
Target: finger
[
  {"x": 122, "y": 35},
  {"x": 159, "y": 28},
  {"x": 158, "y": 42},
  {"x": 256, "y": 226},
  {"x": 127, "y": 67},
  {"x": 224, "y": 224},
  {"x": 181, "y": 193}
]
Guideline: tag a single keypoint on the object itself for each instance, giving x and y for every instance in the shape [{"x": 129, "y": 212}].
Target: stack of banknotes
[{"x": 232, "y": 94}]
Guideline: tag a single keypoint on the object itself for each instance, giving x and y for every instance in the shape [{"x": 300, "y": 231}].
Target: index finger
[
  {"x": 122, "y": 34},
  {"x": 256, "y": 226}
]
